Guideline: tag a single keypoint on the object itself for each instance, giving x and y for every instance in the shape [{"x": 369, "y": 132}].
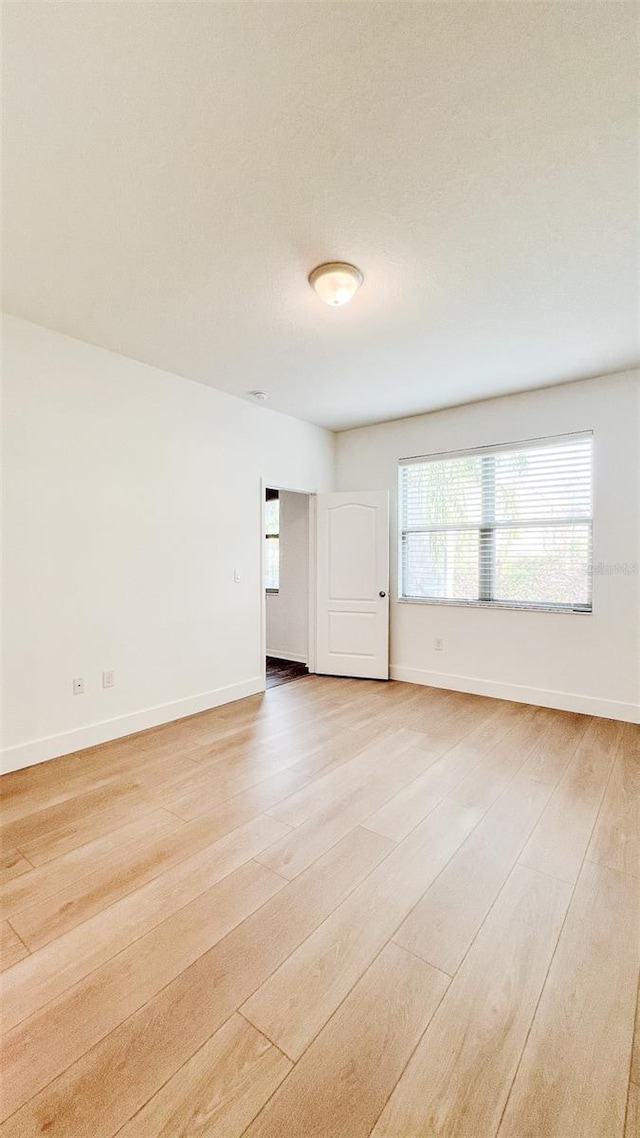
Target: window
[
  {"x": 272, "y": 542},
  {"x": 505, "y": 525}
]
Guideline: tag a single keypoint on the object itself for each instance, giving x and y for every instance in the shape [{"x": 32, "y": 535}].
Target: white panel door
[{"x": 352, "y": 584}]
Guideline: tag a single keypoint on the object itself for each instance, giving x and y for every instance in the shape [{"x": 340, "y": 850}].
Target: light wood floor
[{"x": 338, "y": 910}]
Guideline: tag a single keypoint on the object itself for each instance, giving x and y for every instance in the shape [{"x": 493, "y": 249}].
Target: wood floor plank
[
  {"x": 147, "y": 772},
  {"x": 48, "y": 1042},
  {"x": 345, "y": 743},
  {"x": 488, "y": 778},
  {"x": 349, "y": 776},
  {"x": 326, "y": 698},
  {"x": 344, "y": 734},
  {"x": 11, "y": 947},
  {"x": 632, "y": 1127},
  {"x": 202, "y": 799},
  {"x": 56, "y": 914},
  {"x": 341, "y": 739},
  {"x": 314, "y": 718},
  {"x": 458, "y": 1080},
  {"x": 295, "y": 1003},
  {"x": 14, "y": 863},
  {"x": 30, "y": 825},
  {"x": 432, "y": 704},
  {"x": 442, "y": 925},
  {"x": 398, "y": 817},
  {"x": 263, "y": 718},
  {"x": 84, "y": 829},
  {"x": 310, "y": 708},
  {"x": 136, "y": 787},
  {"x": 298, "y": 849},
  {"x": 71, "y": 869},
  {"x": 204, "y": 790},
  {"x": 93, "y": 1099},
  {"x": 218, "y": 1091},
  {"x": 616, "y": 837},
  {"x": 574, "y": 1070},
  {"x": 395, "y": 701},
  {"x": 553, "y": 752},
  {"x": 455, "y": 720},
  {"x": 452, "y": 707},
  {"x": 559, "y": 842},
  {"x": 635, "y": 1056},
  {"x": 26, "y": 790},
  {"x": 259, "y": 713},
  {"x": 256, "y": 743},
  {"x": 255, "y": 748},
  {"x": 343, "y": 1080},
  {"x": 49, "y": 784},
  {"x": 63, "y": 962}
]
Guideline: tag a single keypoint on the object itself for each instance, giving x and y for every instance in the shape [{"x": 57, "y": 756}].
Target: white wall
[
  {"x": 287, "y": 614},
  {"x": 130, "y": 496},
  {"x": 586, "y": 663}
]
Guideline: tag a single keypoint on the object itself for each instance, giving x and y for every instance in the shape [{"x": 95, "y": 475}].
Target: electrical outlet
[
  {"x": 78, "y": 685},
  {"x": 108, "y": 679},
  {"x": 438, "y": 644}
]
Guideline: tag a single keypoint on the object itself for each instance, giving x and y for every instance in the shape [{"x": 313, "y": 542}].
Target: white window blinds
[{"x": 507, "y": 525}]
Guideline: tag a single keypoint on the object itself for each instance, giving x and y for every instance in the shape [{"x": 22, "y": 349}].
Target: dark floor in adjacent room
[{"x": 283, "y": 671}]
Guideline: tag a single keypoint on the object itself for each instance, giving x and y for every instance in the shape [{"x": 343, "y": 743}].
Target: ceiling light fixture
[{"x": 336, "y": 282}]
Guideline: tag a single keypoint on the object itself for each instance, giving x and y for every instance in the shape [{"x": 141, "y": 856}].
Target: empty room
[{"x": 320, "y": 733}]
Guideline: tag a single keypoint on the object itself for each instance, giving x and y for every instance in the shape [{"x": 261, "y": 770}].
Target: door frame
[{"x": 267, "y": 483}]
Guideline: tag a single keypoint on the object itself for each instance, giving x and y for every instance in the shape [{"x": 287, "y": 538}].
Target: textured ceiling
[{"x": 173, "y": 172}]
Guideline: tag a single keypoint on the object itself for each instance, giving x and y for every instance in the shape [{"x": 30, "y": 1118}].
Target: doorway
[
  {"x": 325, "y": 583},
  {"x": 286, "y": 559}
]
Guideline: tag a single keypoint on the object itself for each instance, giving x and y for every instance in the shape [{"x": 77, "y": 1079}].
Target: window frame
[
  {"x": 487, "y": 532},
  {"x": 270, "y": 537}
]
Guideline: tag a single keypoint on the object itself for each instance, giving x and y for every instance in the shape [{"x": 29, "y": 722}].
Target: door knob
[{"x": 382, "y": 593}]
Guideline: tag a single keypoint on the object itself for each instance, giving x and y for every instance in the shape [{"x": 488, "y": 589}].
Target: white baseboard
[
  {"x": 40, "y": 750},
  {"x": 563, "y": 701},
  {"x": 293, "y": 657}
]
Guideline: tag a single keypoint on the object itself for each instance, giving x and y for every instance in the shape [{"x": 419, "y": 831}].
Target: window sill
[{"x": 510, "y": 605}]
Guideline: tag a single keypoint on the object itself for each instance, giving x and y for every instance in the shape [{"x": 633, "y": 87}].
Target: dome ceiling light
[{"x": 336, "y": 282}]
